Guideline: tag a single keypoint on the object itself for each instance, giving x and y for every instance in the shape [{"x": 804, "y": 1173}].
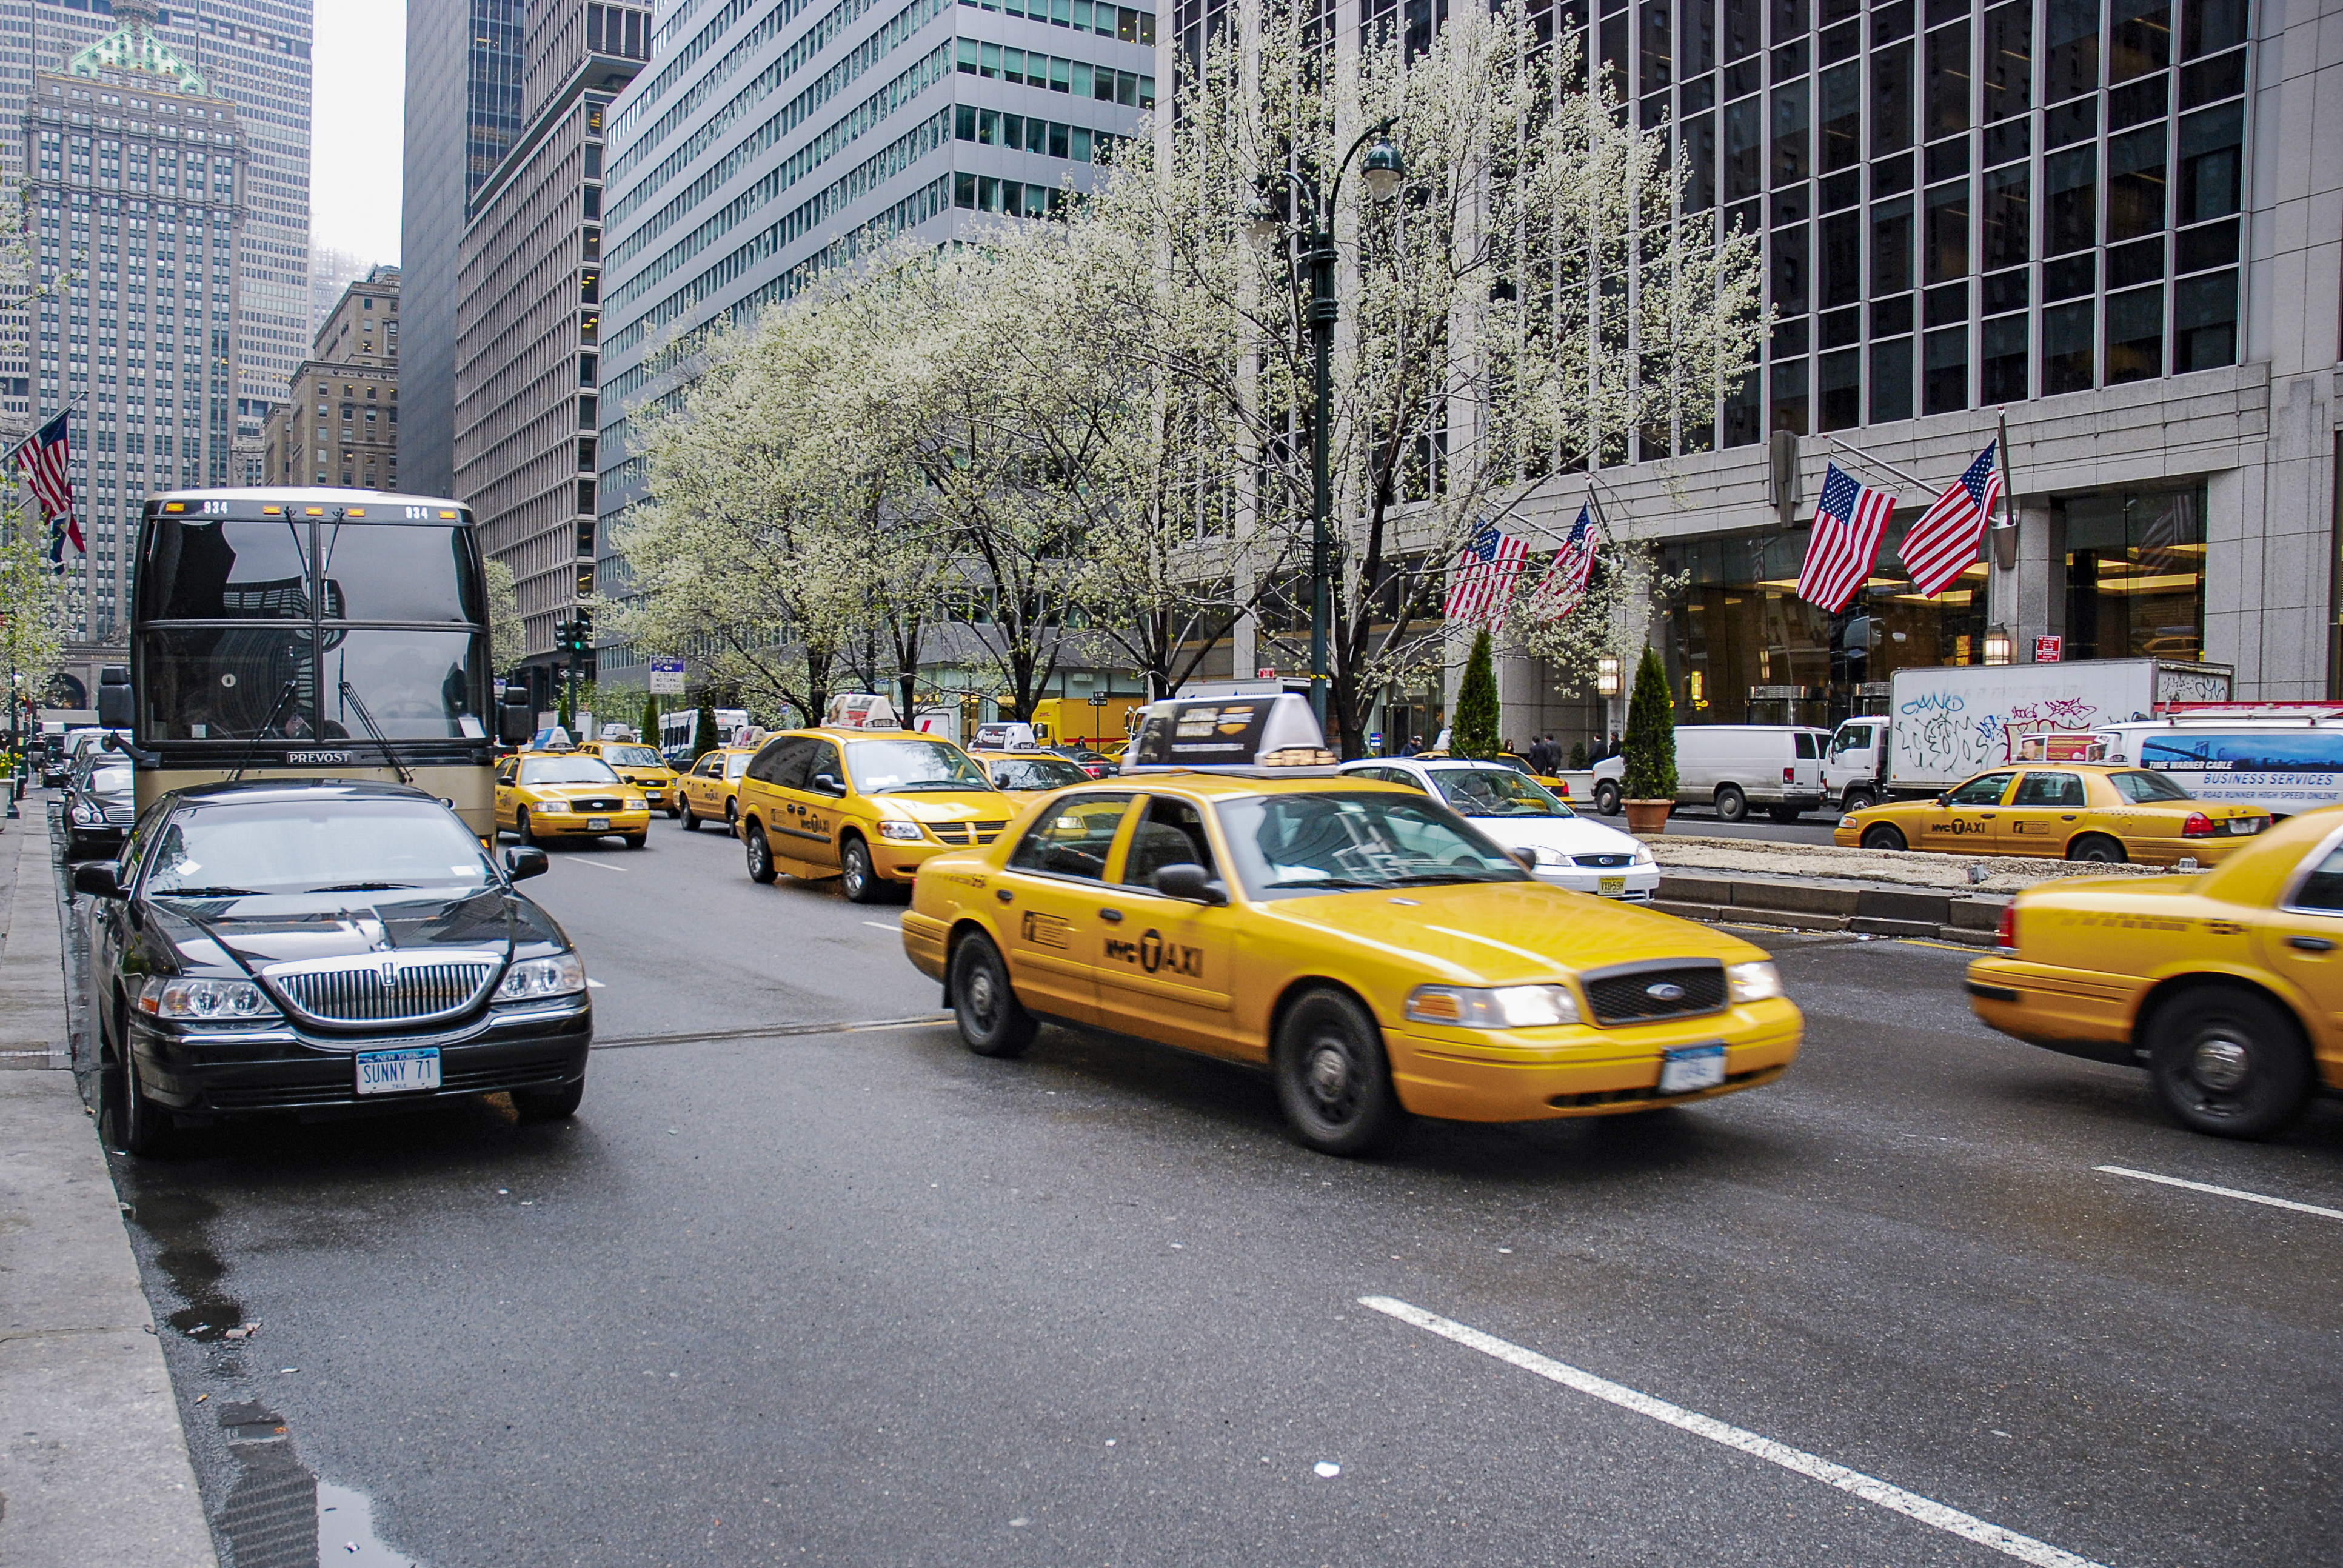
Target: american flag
[
  {"x": 1944, "y": 542},
  {"x": 1482, "y": 581},
  {"x": 43, "y": 460},
  {"x": 1848, "y": 521},
  {"x": 1564, "y": 583}
]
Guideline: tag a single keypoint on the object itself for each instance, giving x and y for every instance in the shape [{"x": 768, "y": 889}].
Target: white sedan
[{"x": 1571, "y": 851}]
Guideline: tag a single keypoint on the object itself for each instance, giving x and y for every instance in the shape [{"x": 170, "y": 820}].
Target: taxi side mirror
[
  {"x": 1189, "y": 880},
  {"x": 827, "y": 784},
  {"x": 522, "y": 864}
]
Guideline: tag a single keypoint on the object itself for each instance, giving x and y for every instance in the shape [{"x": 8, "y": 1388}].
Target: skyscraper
[
  {"x": 135, "y": 194},
  {"x": 463, "y": 114},
  {"x": 256, "y": 54}
]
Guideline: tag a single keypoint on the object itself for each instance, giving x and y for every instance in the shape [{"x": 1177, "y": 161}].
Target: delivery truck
[
  {"x": 2283, "y": 757},
  {"x": 1945, "y": 723}
]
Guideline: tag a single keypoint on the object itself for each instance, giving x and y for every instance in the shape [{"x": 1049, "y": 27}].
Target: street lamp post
[{"x": 1382, "y": 169}]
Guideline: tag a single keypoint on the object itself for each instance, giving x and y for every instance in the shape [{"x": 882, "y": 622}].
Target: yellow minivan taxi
[
  {"x": 641, "y": 767},
  {"x": 1376, "y": 951},
  {"x": 865, "y": 806}
]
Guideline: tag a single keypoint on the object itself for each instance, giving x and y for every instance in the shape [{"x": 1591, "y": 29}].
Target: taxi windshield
[
  {"x": 2144, "y": 788},
  {"x": 566, "y": 770},
  {"x": 903, "y": 767},
  {"x": 1496, "y": 792},
  {"x": 1289, "y": 846},
  {"x": 632, "y": 756},
  {"x": 736, "y": 764}
]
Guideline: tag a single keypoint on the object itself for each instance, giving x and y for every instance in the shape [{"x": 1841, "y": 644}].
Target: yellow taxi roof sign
[
  {"x": 860, "y": 710},
  {"x": 1265, "y": 735}
]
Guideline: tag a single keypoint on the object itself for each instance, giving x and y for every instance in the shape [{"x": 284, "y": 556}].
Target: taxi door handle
[
  {"x": 1111, "y": 917},
  {"x": 2068, "y": 817},
  {"x": 1005, "y": 895},
  {"x": 2311, "y": 944}
]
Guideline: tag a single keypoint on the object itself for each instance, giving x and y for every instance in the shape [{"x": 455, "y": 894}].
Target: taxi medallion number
[
  {"x": 398, "y": 1072},
  {"x": 1693, "y": 1067}
]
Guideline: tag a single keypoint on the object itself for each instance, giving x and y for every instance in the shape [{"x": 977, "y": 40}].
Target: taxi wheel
[
  {"x": 637, "y": 841},
  {"x": 684, "y": 815},
  {"x": 2096, "y": 847},
  {"x": 2228, "y": 1062},
  {"x": 992, "y": 1022},
  {"x": 1732, "y": 805},
  {"x": 1333, "y": 1081},
  {"x": 760, "y": 856},
  {"x": 857, "y": 878},
  {"x": 1606, "y": 799},
  {"x": 1884, "y": 837},
  {"x": 520, "y": 828}
]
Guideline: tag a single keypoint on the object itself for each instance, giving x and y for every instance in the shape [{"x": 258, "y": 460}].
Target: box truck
[
  {"x": 2284, "y": 758},
  {"x": 1947, "y": 722}
]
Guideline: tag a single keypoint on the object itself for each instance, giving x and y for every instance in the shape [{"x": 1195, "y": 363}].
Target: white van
[{"x": 1734, "y": 767}]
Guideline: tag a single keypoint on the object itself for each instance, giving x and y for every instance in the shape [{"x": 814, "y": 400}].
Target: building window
[{"x": 2136, "y": 575}]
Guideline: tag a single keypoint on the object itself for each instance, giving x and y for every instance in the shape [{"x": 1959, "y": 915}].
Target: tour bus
[{"x": 314, "y": 633}]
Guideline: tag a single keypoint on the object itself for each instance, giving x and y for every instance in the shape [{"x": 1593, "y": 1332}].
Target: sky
[{"x": 359, "y": 86}]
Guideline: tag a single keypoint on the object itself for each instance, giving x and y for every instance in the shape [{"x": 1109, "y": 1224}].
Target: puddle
[
  {"x": 280, "y": 1516},
  {"x": 179, "y": 1225},
  {"x": 346, "y": 1531}
]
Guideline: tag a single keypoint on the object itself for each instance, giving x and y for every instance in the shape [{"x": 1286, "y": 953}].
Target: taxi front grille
[
  {"x": 368, "y": 991},
  {"x": 1637, "y": 993},
  {"x": 582, "y": 807},
  {"x": 961, "y": 832}
]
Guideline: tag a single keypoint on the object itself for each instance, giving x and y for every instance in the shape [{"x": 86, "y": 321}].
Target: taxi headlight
[
  {"x": 1754, "y": 982},
  {"x": 1848, "y": 820},
  {"x": 636, "y": 803},
  {"x": 1497, "y": 1007},
  {"x": 533, "y": 980},
  {"x": 205, "y": 1001},
  {"x": 903, "y": 832}
]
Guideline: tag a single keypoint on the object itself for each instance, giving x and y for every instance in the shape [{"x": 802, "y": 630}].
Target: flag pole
[{"x": 1853, "y": 450}]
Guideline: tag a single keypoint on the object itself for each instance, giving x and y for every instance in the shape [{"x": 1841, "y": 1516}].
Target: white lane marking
[
  {"x": 599, "y": 867},
  {"x": 1871, "y": 1489},
  {"x": 881, "y": 926},
  {"x": 2221, "y": 1191}
]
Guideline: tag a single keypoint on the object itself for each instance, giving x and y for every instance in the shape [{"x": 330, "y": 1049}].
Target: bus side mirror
[{"x": 515, "y": 723}]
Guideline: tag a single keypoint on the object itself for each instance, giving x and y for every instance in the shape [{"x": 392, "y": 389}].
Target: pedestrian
[{"x": 1415, "y": 746}]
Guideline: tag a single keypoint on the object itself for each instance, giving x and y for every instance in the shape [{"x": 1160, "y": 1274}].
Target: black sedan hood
[{"x": 277, "y": 928}]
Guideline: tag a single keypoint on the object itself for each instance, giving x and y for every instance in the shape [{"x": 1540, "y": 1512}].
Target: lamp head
[
  {"x": 1383, "y": 168},
  {"x": 1262, "y": 225}
]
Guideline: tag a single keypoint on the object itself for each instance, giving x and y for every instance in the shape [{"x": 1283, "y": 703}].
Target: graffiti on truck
[{"x": 1938, "y": 737}]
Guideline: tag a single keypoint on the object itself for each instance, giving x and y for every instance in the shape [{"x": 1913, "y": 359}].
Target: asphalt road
[{"x": 854, "y": 1295}]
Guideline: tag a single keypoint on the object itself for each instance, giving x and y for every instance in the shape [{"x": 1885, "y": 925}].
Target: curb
[{"x": 1970, "y": 919}]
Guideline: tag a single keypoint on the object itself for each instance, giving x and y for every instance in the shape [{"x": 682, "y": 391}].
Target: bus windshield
[{"x": 257, "y": 682}]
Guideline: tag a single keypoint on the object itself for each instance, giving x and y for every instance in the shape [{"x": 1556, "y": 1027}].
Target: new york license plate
[
  {"x": 598, "y": 824},
  {"x": 398, "y": 1072},
  {"x": 1694, "y": 1067},
  {"x": 1612, "y": 887}
]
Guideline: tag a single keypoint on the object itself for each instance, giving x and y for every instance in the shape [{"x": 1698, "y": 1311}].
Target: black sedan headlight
[
  {"x": 541, "y": 979},
  {"x": 185, "y": 1001}
]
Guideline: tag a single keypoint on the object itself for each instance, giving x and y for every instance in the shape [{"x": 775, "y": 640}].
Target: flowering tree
[{"x": 32, "y": 610}]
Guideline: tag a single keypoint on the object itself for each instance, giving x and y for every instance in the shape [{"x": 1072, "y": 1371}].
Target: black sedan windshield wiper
[
  {"x": 361, "y": 888},
  {"x": 204, "y": 892}
]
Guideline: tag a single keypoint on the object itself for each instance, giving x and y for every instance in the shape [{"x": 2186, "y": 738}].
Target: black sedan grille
[
  {"x": 378, "y": 991},
  {"x": 1637, "y": 993}
]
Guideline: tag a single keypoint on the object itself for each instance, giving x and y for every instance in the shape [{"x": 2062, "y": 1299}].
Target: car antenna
[
  {"x": 350, "y": 696},
  {"x": 260, "y": 734}
]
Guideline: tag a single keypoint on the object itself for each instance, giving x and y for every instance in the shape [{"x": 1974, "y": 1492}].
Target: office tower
[
  {"x": 331, "y": 272},
  {"x": 529, "y": 318},
  {"x": 463, "y": 114},
  {"x": 135, "y": 194},
  {"x": 766, "y": 144},
  {"x": 340, "y": 425}
]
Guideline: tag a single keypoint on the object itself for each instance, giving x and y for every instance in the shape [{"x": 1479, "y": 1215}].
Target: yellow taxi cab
[
  {"x": 1026, "y": 775},
  {"x": 2226, "y": 985},
  {"x": 642, "y": 767},
  {"x": 2064, "y": 811},
  {"x": 710, "y": 791},
  {"x": 1232, "y": 894},
  {"x": 543, "y": 795},
  {"x": 866, "y": 804}
]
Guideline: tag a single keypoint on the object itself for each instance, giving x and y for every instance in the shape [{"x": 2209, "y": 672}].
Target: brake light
[
  {"x": 2198, "y": 825},
  {"x": 2005, "y": 936},
  {"x": 1789, "y": 776}
]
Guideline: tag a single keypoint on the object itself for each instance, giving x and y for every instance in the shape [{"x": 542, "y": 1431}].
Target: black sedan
[
  {"x": 100, "y": 800},
  {"x": 317, "y": 946}
]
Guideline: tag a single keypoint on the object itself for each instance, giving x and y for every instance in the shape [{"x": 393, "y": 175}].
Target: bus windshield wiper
[
  {"x": 261, "y": 734},
  {"x": 350, "y": 696}
]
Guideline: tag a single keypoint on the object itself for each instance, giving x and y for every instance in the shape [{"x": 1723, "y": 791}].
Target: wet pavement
[{"x": 791, "y": 1291}]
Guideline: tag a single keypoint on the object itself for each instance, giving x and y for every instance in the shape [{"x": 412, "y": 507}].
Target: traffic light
[{"x": 574, "y": 634}]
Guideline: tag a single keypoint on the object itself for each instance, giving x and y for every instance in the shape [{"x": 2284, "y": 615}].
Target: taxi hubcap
[
  {"x": 1329, "y": 1073},
  {"x": 2220, "y": 1065},
  {"x": 979, "y": 995}
]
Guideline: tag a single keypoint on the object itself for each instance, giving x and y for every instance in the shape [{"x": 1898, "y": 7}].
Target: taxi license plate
[
  {"x": 598, "y": 824},
  {"x": 398, "y": 1072},
  {"x": 1612, "y": 887},
  {"x": 1694, "y": 1067}
]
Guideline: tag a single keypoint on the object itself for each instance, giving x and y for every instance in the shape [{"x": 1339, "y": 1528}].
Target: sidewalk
[{"x": 92, "y": 1465}]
